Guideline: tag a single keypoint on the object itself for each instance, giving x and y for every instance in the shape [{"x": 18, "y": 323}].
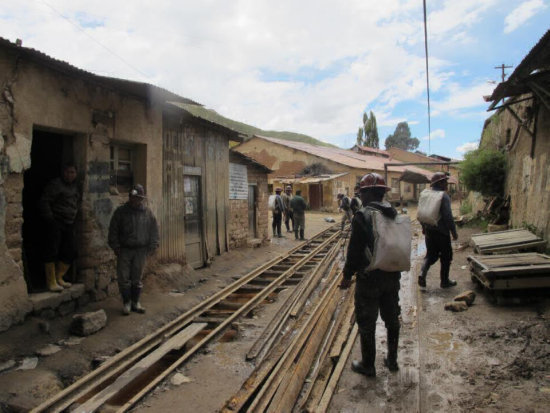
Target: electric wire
[{"x": 427, "y": 76}]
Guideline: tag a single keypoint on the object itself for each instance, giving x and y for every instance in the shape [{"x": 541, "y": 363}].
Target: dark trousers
[
  {"x": 289, "y": 216},
  {"x": 376, "y": 292},
  {"x": 58, "y": 242},
  {"x": 276, "y": 224},
  {"x": 130, "y": 264},
  {"x": 438, "y": 246}
]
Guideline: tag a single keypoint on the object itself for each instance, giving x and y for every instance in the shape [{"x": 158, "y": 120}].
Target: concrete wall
[
  {"x": 35, "y": 96},
  {"x": 528, "y": 177}
]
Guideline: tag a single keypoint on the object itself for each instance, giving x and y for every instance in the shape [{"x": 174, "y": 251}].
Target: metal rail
[{"x": 99, "y": 387}]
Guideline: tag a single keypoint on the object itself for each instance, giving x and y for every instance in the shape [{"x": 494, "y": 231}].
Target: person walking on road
[
  {"x": 344, "y": 205},
  {"x": 288, "y": 213},
  {"x": 278, "y": 209},
  {"x": 58, "y": 208},
  {"x": 438, "y": 240},
  {"x": 133, "y": 234},
  {"x": 355, "y": 202},
  {"x": 298, "y": 205},
  {"x": 376, "y": 290}
]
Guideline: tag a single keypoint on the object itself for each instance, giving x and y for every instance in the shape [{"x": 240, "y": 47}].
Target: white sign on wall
[{"x": 238, "y": 181}]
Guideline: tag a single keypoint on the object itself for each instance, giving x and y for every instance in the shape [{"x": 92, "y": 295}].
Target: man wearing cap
[
  {"x": 344, "y": 204},
  {"x": 438, "y": 240},
  {"x": 288, "y": 213},
  {"x": 298, "y": 205},
  {"x": 133, "y": 234},
  {"x": 376, "y": 290},
  {"x": 278, "y": 209}
]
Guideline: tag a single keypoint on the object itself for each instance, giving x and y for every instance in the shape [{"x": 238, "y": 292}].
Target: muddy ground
[{"x": 488, "y": 358}]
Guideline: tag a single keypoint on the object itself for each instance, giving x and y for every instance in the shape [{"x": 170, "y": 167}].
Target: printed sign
[{"x": 238, "y": 181}]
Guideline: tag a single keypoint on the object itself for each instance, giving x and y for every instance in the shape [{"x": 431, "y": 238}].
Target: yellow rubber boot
[
  {"x": 49, "y": 268},
  {"x": 61, "y": 270}
]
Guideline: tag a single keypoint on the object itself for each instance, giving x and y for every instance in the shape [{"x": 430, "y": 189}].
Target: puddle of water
[{"x": 442, "y": 342}]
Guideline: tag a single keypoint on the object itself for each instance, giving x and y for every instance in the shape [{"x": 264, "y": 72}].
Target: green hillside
[{"x": 213, "y": 116}]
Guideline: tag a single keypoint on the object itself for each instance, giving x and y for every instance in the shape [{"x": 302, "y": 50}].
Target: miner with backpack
[
  {"x": 379, "y": 249},
  {"x": 436, "y": 217},
  {"x": 344, "y": 204}
]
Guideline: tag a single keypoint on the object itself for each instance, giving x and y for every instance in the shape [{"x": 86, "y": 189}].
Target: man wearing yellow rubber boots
[{"x": 58, "y": 208}]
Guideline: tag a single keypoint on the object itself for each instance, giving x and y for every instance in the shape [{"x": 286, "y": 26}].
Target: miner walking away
[
  {"x": 288, "y": 213},
  {"x": 436, "y": 217},
  {"x": 344, "y": 204},
  {"x": 58, "y": 208},
  {"x": 379, "y": 249},
  {"x": 298, "y": 205},
  {"x": 133, "y": 234},
  {"x": 278, "y": 208}
]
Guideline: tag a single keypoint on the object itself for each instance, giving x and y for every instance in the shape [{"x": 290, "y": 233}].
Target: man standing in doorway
[
  {"x": 133, "y": 234},
  {"x": 298, "y": 205},
  {"x": 438, "y": 240},
  {"x": 376, "y": 290},
  {"x": 58, "y": 208},
  {"x": 278, "y": 209},
  {"x": 288, "y": 213}
]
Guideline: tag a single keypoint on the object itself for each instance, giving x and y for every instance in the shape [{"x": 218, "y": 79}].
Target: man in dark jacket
[
  {"x": 133, "y": 234},
  {"x": 376, "y": 290},
  {"x": 355, "y": 203},
  {"x": 344, "y": 205},
  {"x": 278, "y": 210},
  {"x": 298, "y": 205},
  {"x": 438, "y": 240},
  {"x": 58, "y": 208},
  {"x": 288, "y": 213}
]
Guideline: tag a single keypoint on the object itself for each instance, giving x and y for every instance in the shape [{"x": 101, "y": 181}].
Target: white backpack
[
  {"x": 271, "y": 202},
  {"x": 392, "y": 242},
  {"x": 429, "y": 205}
]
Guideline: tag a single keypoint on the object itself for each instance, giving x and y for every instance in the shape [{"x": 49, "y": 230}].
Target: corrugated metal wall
[{"x": 190, "y": 144}]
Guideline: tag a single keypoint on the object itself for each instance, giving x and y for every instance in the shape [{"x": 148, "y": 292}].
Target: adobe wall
[
  {"x": 36, "y": 96},
  {"x": 528, "y": 178}
]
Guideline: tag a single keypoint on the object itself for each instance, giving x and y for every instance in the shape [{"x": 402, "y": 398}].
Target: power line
[
  {"x": 94, "y": 40},
  {"x": 502, "y": 67},
  {"x": 427, "y": 76}
]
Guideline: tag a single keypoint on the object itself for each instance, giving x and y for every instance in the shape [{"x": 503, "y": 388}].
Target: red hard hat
[
  {"x": 288, "y": 188},
  {"x": 278, "y": 189},
  {"x": 340, "y": 195},
  {"x": 437, "y": 177},
  {"x": 373, "y": 180}
]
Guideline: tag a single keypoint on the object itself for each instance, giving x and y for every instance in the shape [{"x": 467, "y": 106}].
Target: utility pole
[{"x": 502, "y": 67}]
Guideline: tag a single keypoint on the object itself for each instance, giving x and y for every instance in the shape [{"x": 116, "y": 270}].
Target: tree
[
  {"x": 371, "y": 132},
  {"x": 484, "y": 171},
  {"x": 368, "y": 134},
  {"x": 401, "y": 138},
  {"x": 360, "y": 137}
]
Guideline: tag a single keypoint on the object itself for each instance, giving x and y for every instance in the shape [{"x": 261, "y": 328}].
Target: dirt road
[{"x": 488, "y": 358}]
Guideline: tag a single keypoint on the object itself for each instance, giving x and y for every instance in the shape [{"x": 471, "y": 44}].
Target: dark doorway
[
  {"x": 252, "y": 211},
  {"x": 315, "y": 196},
  {"x": 49, "y": 151},
  {"x": 193, "y": 223}
]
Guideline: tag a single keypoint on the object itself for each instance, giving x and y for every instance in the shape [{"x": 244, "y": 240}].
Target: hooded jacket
[{"x": 362, "y": 236}]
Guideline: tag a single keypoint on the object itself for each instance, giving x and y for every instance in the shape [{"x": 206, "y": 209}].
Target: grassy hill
[{"x": 248, "y": 130}]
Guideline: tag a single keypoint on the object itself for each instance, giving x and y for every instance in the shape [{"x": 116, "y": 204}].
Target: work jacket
[
  {"x": 446, "y": 222},
  {"x": 133, "y": 228},
  {"x": 60, "y": 201}
]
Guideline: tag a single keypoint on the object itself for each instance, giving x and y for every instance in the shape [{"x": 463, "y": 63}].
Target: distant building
[{"x": 367, "y": 150}]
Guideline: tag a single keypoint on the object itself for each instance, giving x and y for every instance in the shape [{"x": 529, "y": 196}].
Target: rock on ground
[
  {"x": 467, "y": 296},
  {"x": 456, "y": 306},
  {"x": 88, "y": 323}
]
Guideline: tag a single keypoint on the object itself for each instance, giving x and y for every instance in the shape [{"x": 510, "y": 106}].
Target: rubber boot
[
  {"x": 51, "y": 282},
  {"x": 302, "y": 234},
  {"x": 423, "y": 274},
  {"x": 393, "y": 341},
  {"x": 126, "y": 301},
  {"x": 368, "y": 353},
  {"x": 444, "y": 275},
  {"x": 61, "y": 269},
  {"x": 296, "y": 234},
  {"x": 136, "y": 306}
]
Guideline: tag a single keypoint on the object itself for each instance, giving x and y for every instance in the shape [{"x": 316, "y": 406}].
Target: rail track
[{"x": 120, "y": 382}]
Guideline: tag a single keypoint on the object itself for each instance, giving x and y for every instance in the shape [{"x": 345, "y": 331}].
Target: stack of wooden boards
[{"x": 505, "y": 270}]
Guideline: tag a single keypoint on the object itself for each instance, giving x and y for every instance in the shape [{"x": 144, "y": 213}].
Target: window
[
  {"x": 394, "y": 186},
  {"x": 121, "y": 167}
]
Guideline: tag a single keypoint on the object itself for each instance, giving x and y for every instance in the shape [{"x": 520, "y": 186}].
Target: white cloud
[
  {"x": 522, "y": 13},
  {"x": 461, "y": 97},
  {"x": 467, "y": 147},
  {"x": 435, "y": 134}
]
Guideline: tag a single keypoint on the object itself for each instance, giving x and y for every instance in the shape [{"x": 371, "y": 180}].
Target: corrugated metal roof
[
  {"x": 338, "y": 155},
  {"x": 372, "y": 150},
  {"x": 139, "y": 89},
  {"x": 309, "y": 179},
  {"x": 251, "y": 161}
]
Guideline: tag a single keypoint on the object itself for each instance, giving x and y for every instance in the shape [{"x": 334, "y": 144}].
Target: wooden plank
[
  {"x": 519, "y": 270},
  {"x": 174, "y": 343},
  {"x": 512, "y": 247}
]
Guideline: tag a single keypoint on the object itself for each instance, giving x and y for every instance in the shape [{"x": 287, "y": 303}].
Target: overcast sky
[{"x": 305, "y": 66}]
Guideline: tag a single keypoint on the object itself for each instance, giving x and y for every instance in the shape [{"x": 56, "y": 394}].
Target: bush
[
  {"x": 484, "y": 171},
  {"x": 465, "y": 207}
]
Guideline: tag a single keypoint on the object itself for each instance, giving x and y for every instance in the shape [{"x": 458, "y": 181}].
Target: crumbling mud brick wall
[
  {"x": 528, "y": 159},
  {"x": 58, "y": 97}
]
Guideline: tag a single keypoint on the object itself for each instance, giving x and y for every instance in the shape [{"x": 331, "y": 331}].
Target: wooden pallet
[
  {"x": 506, "y": 241},
  {"x": 511, "y": 271}
]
